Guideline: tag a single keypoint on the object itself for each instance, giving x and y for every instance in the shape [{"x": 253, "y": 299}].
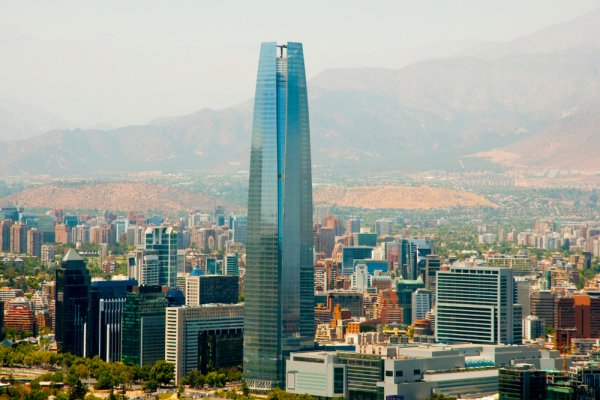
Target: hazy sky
[{"x": 128, "y": 62}]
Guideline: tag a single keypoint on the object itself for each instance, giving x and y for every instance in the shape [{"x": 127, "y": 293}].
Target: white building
[{"x": 421, "y": 304}]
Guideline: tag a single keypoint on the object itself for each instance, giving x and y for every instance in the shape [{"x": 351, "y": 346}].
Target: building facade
[
  {"x": 163, "y": 240},
  {"x": 144, "y": 322},
  {"x": 279, "y": 315},
  {"x": 476, "y": 304},
  {"x": 204, "y": 337},
  {"x": 72, "y": 297}
]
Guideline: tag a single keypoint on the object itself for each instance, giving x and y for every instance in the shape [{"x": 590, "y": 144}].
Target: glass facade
[
  {"x": 279, "y": 314},
  {"x": 163, "y": 240},
  {"x": 144, "y": 323},
  {"x": 72, "y": 298}
]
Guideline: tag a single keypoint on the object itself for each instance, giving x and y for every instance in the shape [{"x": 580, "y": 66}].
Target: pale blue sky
[{"x": 126, "y": 62}]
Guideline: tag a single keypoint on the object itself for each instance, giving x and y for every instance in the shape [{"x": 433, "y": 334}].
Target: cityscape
[{"x": 407, "y": 225}]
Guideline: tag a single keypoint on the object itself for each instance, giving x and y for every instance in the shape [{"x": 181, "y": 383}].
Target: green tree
[
  {"x": 77, "y": 391},
  {"x": 162, "y": 372}
]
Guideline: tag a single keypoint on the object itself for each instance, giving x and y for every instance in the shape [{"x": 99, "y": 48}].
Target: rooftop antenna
[{"x": 281, "y": 47}]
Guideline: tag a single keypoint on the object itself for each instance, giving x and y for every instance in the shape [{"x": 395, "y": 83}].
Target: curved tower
[{"x": 278, "y": 314}]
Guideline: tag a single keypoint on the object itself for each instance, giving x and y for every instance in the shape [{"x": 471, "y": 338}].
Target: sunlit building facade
[{"x": 279, "y": 315}]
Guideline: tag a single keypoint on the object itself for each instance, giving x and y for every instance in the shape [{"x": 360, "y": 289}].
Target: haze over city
[{"x": 110, "y": 63}]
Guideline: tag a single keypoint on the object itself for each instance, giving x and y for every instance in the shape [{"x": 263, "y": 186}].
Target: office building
[
  {"x": 384, "y": 227},
  {"x": 534, "y": 328},
  {"x": 34, "y": 242},
  {"x": 144, "y": 266},
  {"x": 206, "y": 289},
  {"x": 163, "y": 240},
  {"x": 18, "y": 238},
  {"x": 316, "y": 373},
  {"x": 279, "y": 314},
  {"x": 433, "y": 264},
  {"x": 5, "y": 234},
  {"x": 405, "y": 289},
  {"x": 476, "y": 304},
  {"x": 421, "y": 304},
  {"x": 373, "y": 265},
  {"x": 48, "y": 254},
  {"x": 107, "y": 301},
  {"x": 365, "y": 239},
  {"x": 351, "y": 253},
  {"x": 360, "y": 278},
  {"x": 240, "y": 229},
  {"x": 231, "y": 265},
  {"x": 19, "y": 314},
  {"x": 204, "y": 337},
  {"x": 72, "y": 297},
  {"x": 521, "y": 382},
  {"x": 542, "y": 306},
  {"x": 144, "y": 324}
]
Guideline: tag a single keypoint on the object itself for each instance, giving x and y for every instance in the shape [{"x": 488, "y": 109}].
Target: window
[
  {"x": 389, "y": 373},
  {"x": 398, "y": 373},
  {"x": 417, "y": 372},
  {"x": 338, "y": 380}
]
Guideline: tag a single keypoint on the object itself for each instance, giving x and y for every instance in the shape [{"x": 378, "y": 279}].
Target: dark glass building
[
  {"x": 72, "y": 297},
  {"x": 107, "y": 301},
  {"x": 144, "y": 324},
  {"x": 521, "y": 382},
  {"x": 279, "y": 315}
]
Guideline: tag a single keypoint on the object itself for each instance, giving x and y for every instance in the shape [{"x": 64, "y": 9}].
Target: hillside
[
  {"x": 502, "y": 98},
  {"x": 150, "y": 197},
  {"x": 115, "y": 196},
  {"x": 419, "y": 198}
]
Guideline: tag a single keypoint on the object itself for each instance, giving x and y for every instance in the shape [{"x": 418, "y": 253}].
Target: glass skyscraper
[{"x": 278, "y": 315}]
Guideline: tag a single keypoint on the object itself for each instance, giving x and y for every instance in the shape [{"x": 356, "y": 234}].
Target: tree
[
  {"x": 162, "y": 372},
  {"x": 77, "y": 391}
]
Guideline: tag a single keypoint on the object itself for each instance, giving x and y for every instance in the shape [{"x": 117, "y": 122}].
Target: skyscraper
[
  {"x": 107, "y": 301},
  {"x": 163, "y": 240},
  {"x": 476, "y": 304},
  {"x": 279, "y": 315},
  {"x": 144, "y": 324},
  {"x": 72, "y": 298}
]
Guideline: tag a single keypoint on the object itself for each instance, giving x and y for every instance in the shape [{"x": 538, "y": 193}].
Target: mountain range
[{"x": 531, "y": 103}]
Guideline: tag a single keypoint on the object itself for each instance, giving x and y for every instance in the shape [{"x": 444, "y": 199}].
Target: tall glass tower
[{"x": 278, "y": 315}]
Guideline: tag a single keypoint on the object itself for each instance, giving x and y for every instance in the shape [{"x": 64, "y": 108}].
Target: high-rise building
[
  {"x": 433, "y": 263},
  {"x": 163, "y": 240},
  {"x": 107, "y": 301},
  {"x": 521, "y": 381},
  {"x": 20, "y": 315},
  {"x": 143, "y": 266},
  {"x": 535, "y": 327},
  {"x": 18, "y": 238},
  {"x": 2, "y": 327},
  {"x": 542, "y": 306},
  {"x": 72, "y": 296},
  {"x": 279, "y": 313},
  {"x": 349, "y": 254},
  {"x": 206, "y": 289},
  {"x": 405, "y": 289},
  {"x": 48, "y": 254},
  {"x": 144, "y": 322},
  {"x": 34, "y": 242},
  {"x": 421, "y": 304},
  {"x": 231, "y": 266},
  {"x": 240, "y": 229},
  {"x": 476, "y": 304},
  {"x": 203, "y": 337},
  {"x": 5, "y": 234}
]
